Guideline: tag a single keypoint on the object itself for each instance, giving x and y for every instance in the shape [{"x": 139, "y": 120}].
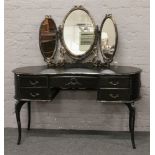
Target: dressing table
[{"x": 77, "y": 44}]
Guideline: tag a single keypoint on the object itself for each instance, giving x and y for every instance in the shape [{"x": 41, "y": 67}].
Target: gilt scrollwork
[{"x": 73, "y": 83}]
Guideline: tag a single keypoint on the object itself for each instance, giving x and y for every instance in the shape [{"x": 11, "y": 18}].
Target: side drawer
[
  {"x": 33, "y": 81},
  {"x": 34, "y": 93},
  {"x": 114, "y": 95},
  {"x": 66, "y": 82},
  {"x": 115, "y": 82}
]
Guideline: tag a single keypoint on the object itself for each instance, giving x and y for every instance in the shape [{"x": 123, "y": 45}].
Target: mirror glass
[
  {"x": 78, "y": 32},
  {"x": 108, "y": 38},
  {"x": 48, "y": 37}
]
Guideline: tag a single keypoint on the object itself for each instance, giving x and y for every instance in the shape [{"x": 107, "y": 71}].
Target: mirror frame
[
  {"x": 48, "y": 59},
  {"x": 88, "y": 52},
  {"x": 108, "y": 16}
]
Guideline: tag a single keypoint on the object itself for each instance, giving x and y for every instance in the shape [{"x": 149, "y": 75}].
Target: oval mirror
[
  {"x": 78, "y": 32},
  {"x": 108, "y": 38},
  {"x": 48, "y": 38}
]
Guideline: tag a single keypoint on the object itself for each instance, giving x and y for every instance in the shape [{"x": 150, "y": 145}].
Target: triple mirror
[{"x": 78, "y": 36}]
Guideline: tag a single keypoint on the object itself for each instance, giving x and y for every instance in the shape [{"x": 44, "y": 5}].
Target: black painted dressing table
[
  {"x": 116, "y": 84},
  {"x": 84, "y": 54}
]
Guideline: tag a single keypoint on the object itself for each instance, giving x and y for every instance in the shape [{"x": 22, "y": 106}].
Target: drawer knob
[
  {"x": 114, "y": 96},
  {"x": 114, "y": 83},
  {"x": 34, "y": 94},
  {"x": 33, "y": 83}
]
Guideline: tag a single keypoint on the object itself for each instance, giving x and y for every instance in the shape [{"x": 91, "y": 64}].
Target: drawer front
[
  {"x": 33, "y": 81},
  {"x": 66, "y": 82},
  {"x": 34, "y": 93},
  {"x": 115, "y": 82},
  {"x": 114, "y": 94}
]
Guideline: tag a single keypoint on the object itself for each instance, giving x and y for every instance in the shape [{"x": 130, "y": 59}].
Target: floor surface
[{"x": 54, "y": 142}]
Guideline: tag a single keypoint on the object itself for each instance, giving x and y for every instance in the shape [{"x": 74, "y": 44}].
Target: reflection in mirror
[
  {"x": 78, "y": 32},
  {"x": 108, "y": 38},
  {"x": 48, "y": 37}
]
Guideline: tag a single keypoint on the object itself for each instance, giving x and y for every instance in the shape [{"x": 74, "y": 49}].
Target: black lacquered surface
[
  {"x": 106, "y": 81},
  {"x": 112, "y": 70}
]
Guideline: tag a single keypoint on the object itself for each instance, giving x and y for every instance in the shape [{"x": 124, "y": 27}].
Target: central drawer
[
  {"x": 34, "y": 93},
  {"x": 78, "y": 82}
]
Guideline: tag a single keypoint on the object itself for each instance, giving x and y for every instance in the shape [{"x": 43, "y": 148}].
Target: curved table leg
[
  {"x": 18, "y": 107},
  {"x": 132, "y": 122},
  {"x": 29, "y": 115}
]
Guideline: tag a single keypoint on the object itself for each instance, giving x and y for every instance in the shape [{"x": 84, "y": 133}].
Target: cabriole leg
[
  {"x": 18, "y": 107},
  {"x": 29, "y": 115},
  {"x": 131, "y": 108}
]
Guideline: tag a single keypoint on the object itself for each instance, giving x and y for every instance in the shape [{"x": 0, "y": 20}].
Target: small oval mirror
[
  {"x": 48, "y": 38},
  {"x": 108, "y": 38},
  {"x": 78, "y": 32}
]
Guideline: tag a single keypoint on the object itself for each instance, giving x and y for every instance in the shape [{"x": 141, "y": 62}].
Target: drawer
[
  {"x": 114, "y": 94},
  {"x": 78, "y": 82},
  {"x": 115, "y": 82},
  {"x": 33, "y": 81},
  {"x": 34, "y": 93}
]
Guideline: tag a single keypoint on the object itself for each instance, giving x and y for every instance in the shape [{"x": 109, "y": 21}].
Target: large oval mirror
[
  {"x": 48, "y": 38},
  {"x": 108, "y": 38},
  {"x": 78, "y": 32}
]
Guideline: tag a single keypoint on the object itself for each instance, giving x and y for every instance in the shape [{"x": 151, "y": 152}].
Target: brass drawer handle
[
  {"x": 114, "y": 83},
  {"x": 114, "y": 95},
  {"x": 34, "y": 94},
  {"x": 33, "y": 83}
]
